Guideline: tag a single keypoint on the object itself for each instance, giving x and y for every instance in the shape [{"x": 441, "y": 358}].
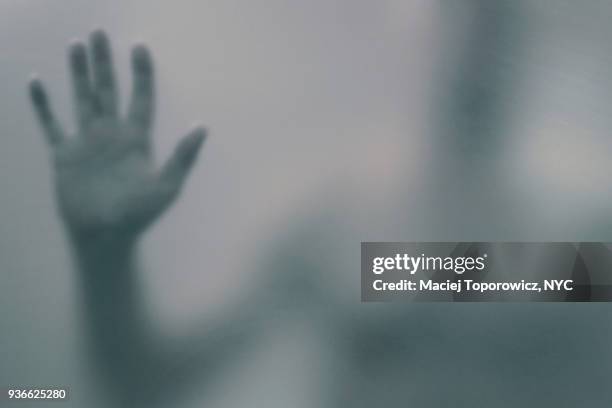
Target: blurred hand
[{"x": 104, "y": 178}]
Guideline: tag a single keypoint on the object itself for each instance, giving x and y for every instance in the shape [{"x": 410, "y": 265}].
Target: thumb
[{"x": 177, "y": 168}]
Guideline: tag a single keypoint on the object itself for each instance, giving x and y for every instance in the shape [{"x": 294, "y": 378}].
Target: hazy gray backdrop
[{"x": 313, "y": 107}]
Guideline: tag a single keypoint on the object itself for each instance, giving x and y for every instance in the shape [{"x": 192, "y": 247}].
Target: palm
[
  {"x": 108, "y": 180},
  {"x": 104, "y": 176}
]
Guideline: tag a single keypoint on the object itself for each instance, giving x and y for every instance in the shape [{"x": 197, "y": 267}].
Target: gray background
[{"x": 328, "y": 124}]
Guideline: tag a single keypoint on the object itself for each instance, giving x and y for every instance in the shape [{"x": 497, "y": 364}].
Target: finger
[
  {"x": 103, "y": 73},
  {"x": 143, "y": 104},
  {"x": 42, "y": 107},
  {"x": 83, "y": 95},
  {"x": 175, "y": 171}
]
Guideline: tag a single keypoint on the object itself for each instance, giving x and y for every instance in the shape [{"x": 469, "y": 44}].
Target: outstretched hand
[{"x": 104, "y": 177}]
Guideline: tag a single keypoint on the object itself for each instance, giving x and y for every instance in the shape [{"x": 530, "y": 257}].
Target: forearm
[
  {"x": 133, "y": 356},
  {"x": 107, "y": 273},
  {"x": 117, "y": 326}
]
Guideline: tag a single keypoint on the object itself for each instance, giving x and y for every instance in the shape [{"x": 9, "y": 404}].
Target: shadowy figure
[{"x": 108, "y": 193}]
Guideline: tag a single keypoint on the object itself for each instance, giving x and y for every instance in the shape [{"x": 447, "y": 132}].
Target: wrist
[{"x": 102, "y": 252}]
